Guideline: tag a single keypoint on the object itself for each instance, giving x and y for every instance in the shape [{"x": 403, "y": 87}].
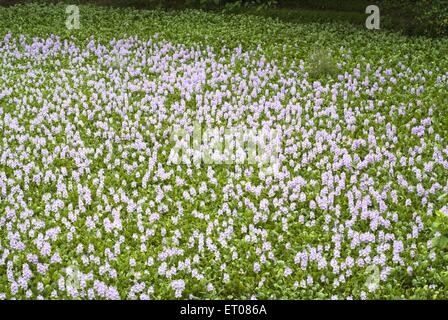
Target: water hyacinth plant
[{"x": 92, "y": 208}]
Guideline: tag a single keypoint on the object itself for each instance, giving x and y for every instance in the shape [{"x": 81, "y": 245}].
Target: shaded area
[{"x": 421, "y": 17}]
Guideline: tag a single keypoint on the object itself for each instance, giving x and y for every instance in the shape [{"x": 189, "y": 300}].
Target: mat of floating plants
[{"x": 93, "y": 207}]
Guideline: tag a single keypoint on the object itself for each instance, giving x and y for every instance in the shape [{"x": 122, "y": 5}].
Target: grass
[{"x": 142, "y": 72}]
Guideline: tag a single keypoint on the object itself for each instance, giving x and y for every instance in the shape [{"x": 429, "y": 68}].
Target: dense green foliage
[
  {"x": 422, "y": 17},
  {"x": 408, "y": 86}
]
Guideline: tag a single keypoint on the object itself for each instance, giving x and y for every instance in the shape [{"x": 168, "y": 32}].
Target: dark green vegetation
[
  {"x": 325, "y": 50},
  {"x": 421, "y": 17}
]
